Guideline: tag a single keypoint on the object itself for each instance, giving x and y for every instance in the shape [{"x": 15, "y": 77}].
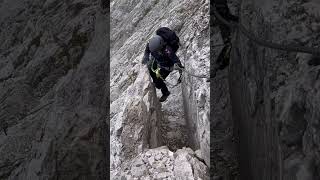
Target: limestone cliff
[{"x": 140, "y": 124}]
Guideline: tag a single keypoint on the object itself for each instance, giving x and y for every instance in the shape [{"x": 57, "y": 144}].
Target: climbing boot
[{"x": 164, "y": 97}]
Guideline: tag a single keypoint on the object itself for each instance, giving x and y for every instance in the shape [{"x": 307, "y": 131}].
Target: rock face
[
  {"x": 223, "y": 135},
  {"x": 274, "y": 94},
  {"x": 53, "y": 89},
  {"x": 161, "y": 163},
  {"x": 196, "y": 91},
  {"x": 139, "y": 123}
]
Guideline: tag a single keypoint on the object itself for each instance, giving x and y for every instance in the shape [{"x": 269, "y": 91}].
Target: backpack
[{"x": 170, "y": 37}]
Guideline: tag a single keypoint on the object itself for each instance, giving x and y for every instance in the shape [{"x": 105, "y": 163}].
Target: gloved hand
[
  {"x": 145, "y": 59},
  {"x": 158, "y": 75}
]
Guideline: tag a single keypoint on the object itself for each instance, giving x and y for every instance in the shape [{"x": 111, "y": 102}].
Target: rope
[
  {"x": 183, "y": 70},
  {"x": 260, "y": 41},
  {"x": 263, "y": 42}
]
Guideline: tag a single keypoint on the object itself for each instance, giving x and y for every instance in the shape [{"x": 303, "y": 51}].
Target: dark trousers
[{"x": 159, "y": 83}]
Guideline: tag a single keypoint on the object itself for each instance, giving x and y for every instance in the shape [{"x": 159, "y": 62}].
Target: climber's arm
[{"x": 174, "y": 58}]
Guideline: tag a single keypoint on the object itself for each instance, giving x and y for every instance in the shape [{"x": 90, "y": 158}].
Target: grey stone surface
[
  {"x": 53, "y": 89},
  {"x": 138, "y": 121},
  {"x": 165, "y": 164},
  {"x": 223, "y": 135},
  {"x": 275, "y": 94}
]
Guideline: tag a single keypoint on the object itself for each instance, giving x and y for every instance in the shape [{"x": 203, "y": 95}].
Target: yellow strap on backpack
[{"x": 156, "y": 71}]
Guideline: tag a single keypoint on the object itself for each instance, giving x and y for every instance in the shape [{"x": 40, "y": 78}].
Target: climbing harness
[
  {"x": 180, "y": 70},
  {"x": 156, "y": 71},
  {"x": 158, "y": 75},
  {"x": 263, "y": 42}
]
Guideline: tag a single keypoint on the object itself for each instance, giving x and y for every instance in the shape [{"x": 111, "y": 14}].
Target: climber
[
  {"x": 224, "y": 56},
  {"x": 162, "y": 47}
]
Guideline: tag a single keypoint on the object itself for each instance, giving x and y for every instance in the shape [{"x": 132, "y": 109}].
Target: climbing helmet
[{"x": 156, "y": 43}]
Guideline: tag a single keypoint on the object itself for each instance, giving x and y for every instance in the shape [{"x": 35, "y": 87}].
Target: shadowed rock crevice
[{"x": 274, "y": 97}]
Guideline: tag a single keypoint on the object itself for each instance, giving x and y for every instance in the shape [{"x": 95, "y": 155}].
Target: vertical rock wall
[
  {"x": 223, "y": 135},
  {"x": 52, "y": 89},
  {"x": 135, "y": 122},
  {"x": 275, "y": 94},
  {"x": 196, "y": 91},
  {"x": 138, "y": 121}
]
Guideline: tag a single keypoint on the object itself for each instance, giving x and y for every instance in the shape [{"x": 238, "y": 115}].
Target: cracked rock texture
[
  {"x": 274, "y": 94},
  {"x": 161, "y": 163},
  {"x": 139, "y": 122},
  {"x": 223, "y": 135},
  {"x": 52, "y": 89}
]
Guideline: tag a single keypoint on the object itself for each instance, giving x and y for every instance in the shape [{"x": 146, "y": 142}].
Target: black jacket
[{"x": 165, "y": 58}]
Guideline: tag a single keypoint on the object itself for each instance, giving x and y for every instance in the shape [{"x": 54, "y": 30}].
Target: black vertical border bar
[
  {"x": 211, "y": 88},
  {"x": 105, "y": 121}
]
